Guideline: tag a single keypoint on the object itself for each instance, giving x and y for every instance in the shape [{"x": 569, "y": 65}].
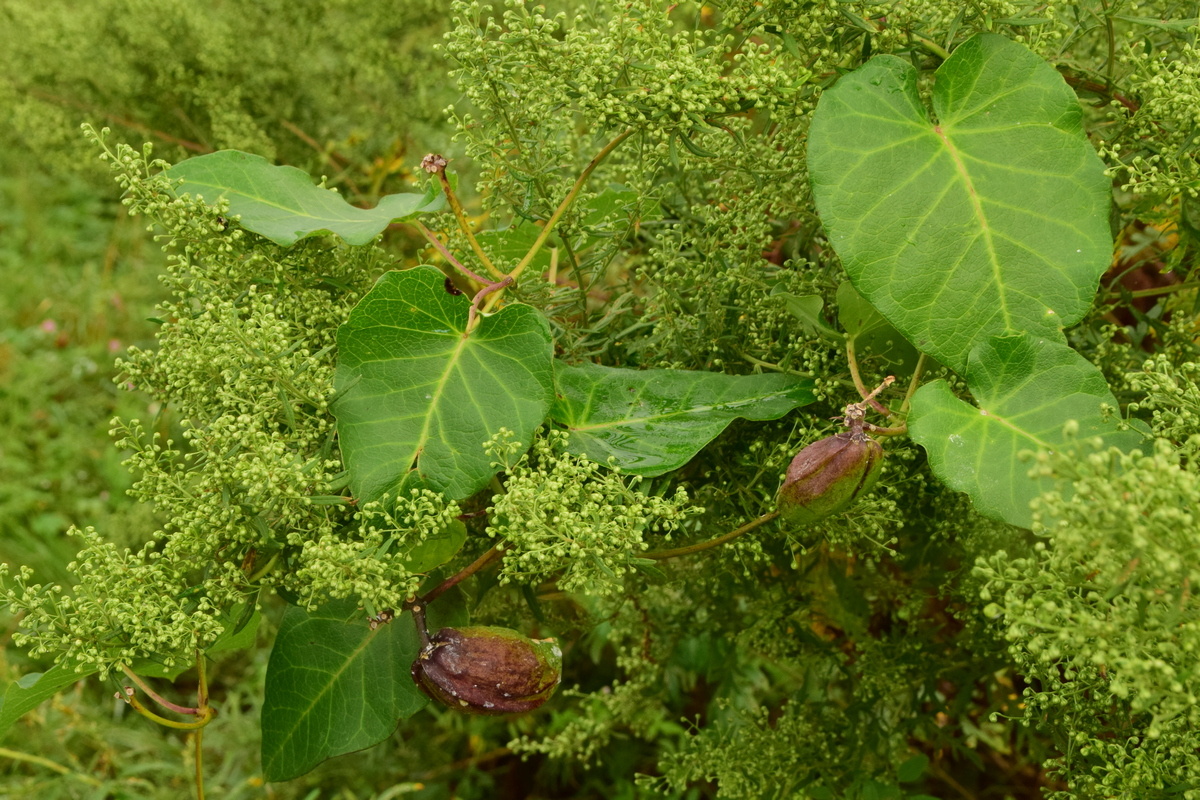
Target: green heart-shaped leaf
[
  {"x": 417, "y": 395},
  {"x": 334, "y": 685},
  {"x": 989, "y": 216},
  {"x": 283, "y": 204},
  {"x": 1026, "y": 389}
]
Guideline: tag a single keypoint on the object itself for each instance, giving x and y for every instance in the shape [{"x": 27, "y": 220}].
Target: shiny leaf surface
[{"x": 653, "y": 421}]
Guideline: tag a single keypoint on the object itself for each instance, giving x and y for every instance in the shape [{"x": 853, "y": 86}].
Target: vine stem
[
  {"x": 202, "y": 704},
  {"x": 203, "y": 717},
  {"x": 155, "y": 696},
  {"x": 868, "y": 397},
  {"x": 487, "y": 558},
  {"x": 17, "y": 755},
  {"x": 898, "y": 430},
  {"x": 436, "y": 165},
  {"x": 446, "y": 254},
  {"x": 913, "y": 382},
  {"x": 548, "y": 228},
  {"x": 1177, "y": 287},
  {"x": 1111, "y": 61},
  {"x": 566, "y": 203},
  {"x": 266, "y": 568},
  {"x": 659, "y": 555},
  {"x": 932, "y": 46},
  {"x": 758, "y": 362},
  {"x": 473, "y": 314}
]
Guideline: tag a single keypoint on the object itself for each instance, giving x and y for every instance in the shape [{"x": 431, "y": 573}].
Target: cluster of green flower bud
[
  {"x": 1100, "y": 617},
  {"x": 566, "y": 517}
]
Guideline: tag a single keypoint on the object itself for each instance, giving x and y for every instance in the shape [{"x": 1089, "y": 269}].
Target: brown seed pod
[
  {"x": 486, "y": 670},
  {"x": 829, "y": 475}
]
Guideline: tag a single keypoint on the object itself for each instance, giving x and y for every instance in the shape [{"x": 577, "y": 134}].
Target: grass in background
[{"x": 78, "y": 280}]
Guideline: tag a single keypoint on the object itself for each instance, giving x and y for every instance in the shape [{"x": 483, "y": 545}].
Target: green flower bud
[
  {"x": 485, "y": 670},
  {"x": 829, "y": 475}
]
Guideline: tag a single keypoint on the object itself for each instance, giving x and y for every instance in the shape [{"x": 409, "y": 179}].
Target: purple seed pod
[
  {"x": 829, "y": 475},
  {"x": 485, "y": 670}
]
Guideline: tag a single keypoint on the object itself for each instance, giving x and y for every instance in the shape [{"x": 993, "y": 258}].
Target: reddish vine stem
[
  {"x": 484, "y": 560},
  {"x": 436, "y": 165},
  {"x": 446, "y": 254},
  {"x": 473, "y": 314},
  {"x": 155, "y": 696}
]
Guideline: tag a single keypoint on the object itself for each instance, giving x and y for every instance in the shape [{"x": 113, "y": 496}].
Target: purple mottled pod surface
[
  {"x": 485, "y": 670},
  {"x": 829, "y": 475}
]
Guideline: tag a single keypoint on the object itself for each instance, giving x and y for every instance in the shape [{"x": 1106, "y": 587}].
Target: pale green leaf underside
[
  {"x": 872, "y": 334},
  {"x": 653, "y": 421},
  {"x": 334, "y": 686},
  {"x": 989, "y": 218},
  {"x": 808, "y": 311},
  {"x": 1026, "y": 390},
  {"x": 416, "y": 396},
  {"x": 284, "y": 205},
  {"x": 30, "y": 691}
]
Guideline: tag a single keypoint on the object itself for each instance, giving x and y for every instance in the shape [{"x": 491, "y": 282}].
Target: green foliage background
[{"x": 907, "y": 648}]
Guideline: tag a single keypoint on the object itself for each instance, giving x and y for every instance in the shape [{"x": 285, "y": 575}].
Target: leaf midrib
[
  {"x": 334, "y": 676},
  {"x": 985, "y": 226},
  {"x": 435, "y": 397}
]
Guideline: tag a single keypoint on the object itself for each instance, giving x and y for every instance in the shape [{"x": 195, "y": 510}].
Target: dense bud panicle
[
  {"x": 485, "y": 670},
  {"x": 827, "y": 476}
]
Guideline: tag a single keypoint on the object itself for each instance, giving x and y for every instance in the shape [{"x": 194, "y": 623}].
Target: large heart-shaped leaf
[
  {"x": 653, "y": 421},
  {"x": 418, "y": 395},
  {"x": 1026, "y": 389},
  {"x": 335, "y": 686},
  {"x": 988, "y": 217},
  {"x": 283, "y": 204}
]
